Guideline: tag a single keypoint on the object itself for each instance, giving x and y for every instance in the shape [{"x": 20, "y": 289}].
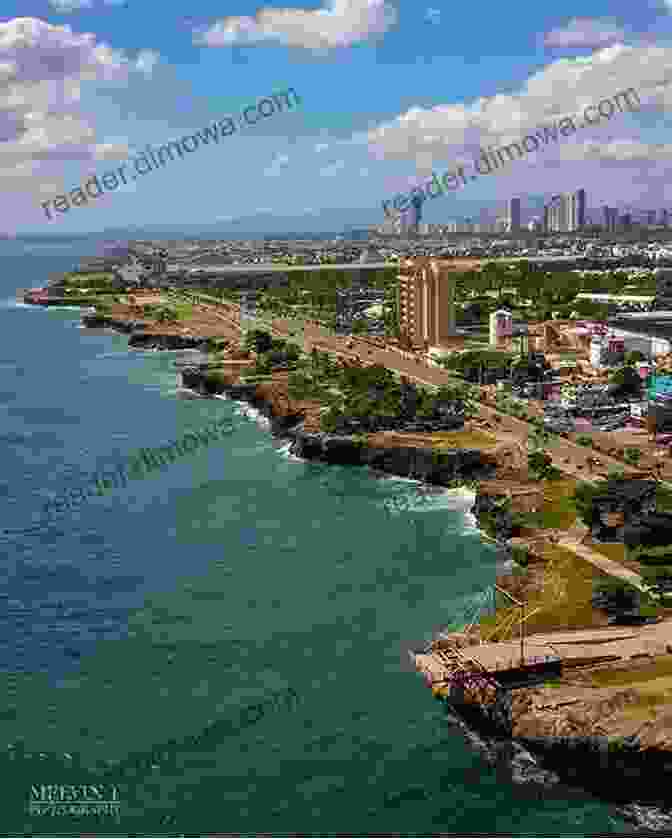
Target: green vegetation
[
  {"x": 634, "y": 356},
  {"x": 540, "y": 465},
  {"x": 632, "y": 456},
  {"x": 97, "y": 280},
  {"x": 312, "y": 295},
  {"x": 564, "y": 601},
  {"x": 659, "y": 556},
  {"x": 628, "y": 381},
  {"x": 642, "y": 671},
  {"x": 520, "y": 556},
  {"x": 584, "y": 440}
]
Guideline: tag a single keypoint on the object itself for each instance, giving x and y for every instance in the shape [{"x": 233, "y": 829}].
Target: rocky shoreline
[
  {"x": 145, "y": 340},
  {"x": 585, "y": 763},
  {"x": 570, "y": 765},
  {"x": 456, "y": 466}
]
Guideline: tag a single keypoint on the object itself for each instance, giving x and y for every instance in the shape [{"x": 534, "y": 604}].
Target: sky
[{"x": 391, "y": 91}]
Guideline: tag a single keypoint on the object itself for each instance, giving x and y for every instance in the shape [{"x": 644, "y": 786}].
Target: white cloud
[
  {"x": 67, "y": 6},
  {"x": 433, "y": 15},
  {"x": 585, "y": 32},
  {"x": 42, "y": 70},
  {"x": 433, "y": 136},
  {"x": 340, "y": 23},
  {"x": 624, "y": 150},
  {"x": 111, "y": 151}
]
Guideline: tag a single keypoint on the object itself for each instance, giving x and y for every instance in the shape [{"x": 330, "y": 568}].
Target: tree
[
  {"x": 634, "y": 356},
  {"x": 258, "y": 340},
  {"x": 625, "y": 382},
  {"x": 632, "y": 456}
]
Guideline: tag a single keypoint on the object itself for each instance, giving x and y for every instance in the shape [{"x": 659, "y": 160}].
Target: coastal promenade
[{"x": 572, "y": 648}]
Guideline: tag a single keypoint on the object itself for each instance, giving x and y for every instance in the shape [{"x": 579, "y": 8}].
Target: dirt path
[{"x": 615, "y": 569}]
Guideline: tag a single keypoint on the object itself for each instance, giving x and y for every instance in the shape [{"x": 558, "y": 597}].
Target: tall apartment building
[
  {"x": 577, "y": 210},
  {"x": 610, "y": 215},
  {"x": 426, "y": 303},
  {"x": 513, "y": 215},
  {"x": 566, "y": 213},
  {"x": 663, "y": 218}
]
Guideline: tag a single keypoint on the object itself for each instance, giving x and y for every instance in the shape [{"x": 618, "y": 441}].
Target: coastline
[{"x": 527, "y": 760}]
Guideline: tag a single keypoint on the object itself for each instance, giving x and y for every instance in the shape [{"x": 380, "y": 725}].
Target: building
[
  {"x": 426, "y": 304},
  {"x": 663, "y": 218},
  {"x": 501, "y": 328},
  {"x": 513, "y": 215},
  {"x": 610, "y": 215},
  {"x": 566, "y": 213}
]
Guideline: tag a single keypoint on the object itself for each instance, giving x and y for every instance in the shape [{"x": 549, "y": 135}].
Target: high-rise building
[
  {"x": 626, "y": 221},
  {"x": 663, "y": 218},
  {"x": 513, "y": 215},
  {"x": 577, "y": 210},
  {"x": 651, "y": 218},
  {"x": 566, "y": 213},
  {"x": 426, "y": 303},
  {"x": 610, "y": 215}
]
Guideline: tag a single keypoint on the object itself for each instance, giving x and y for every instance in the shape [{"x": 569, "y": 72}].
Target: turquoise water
[{"x": 136, "y": 628}]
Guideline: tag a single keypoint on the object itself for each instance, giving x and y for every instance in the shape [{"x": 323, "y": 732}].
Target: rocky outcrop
[
  {"x": 148, "y": 340},
  {"x": 631, "y": 771},
  {"x": 418, "y": 463},
  {"x": 111, "y": 323},
  {"x": 145, "y": 340},
  {"x": 493, "y": 514}
]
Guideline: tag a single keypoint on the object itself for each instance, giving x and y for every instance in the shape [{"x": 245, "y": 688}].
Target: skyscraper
[
  {"x": 566, "y": 213},
  {"x": 610, "y": 215},
  {"x": 513, "y": 215},
  {"x": 577, "y": 210}
]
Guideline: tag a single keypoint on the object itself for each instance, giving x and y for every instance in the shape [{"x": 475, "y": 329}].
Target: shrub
[
  {"x": 634, "y": 356},
  {"x": 632, "y": 456},
  {"x": 520, "y": 556},
  {"x": 584, "y": 440}
]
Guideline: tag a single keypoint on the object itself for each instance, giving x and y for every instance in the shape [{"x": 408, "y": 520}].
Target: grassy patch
[
  {"x": 559, "y": 511},
  {"x": 564, "y": 601},
  {"x": 658, "y": 670},
  {"x": 615, "y": 551},
  {"x": 462, "y": 440}
]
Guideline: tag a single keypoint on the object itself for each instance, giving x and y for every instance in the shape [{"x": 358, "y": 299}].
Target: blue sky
[{"x": 391, "y": 91}]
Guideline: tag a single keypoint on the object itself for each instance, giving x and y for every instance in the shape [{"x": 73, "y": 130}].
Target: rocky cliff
[
  {"x": 427, "y": 465},
  {"x": 146, "y": 340}
]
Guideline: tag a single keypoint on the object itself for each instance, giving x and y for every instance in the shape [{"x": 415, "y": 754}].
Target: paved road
[{"x": 569, "y": 457}]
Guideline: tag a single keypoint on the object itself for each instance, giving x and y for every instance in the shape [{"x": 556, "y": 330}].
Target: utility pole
[{"x": 522, "y": 622}]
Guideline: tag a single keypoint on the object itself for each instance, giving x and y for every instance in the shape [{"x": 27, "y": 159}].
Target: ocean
[{"x": 138, "y": 628}]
